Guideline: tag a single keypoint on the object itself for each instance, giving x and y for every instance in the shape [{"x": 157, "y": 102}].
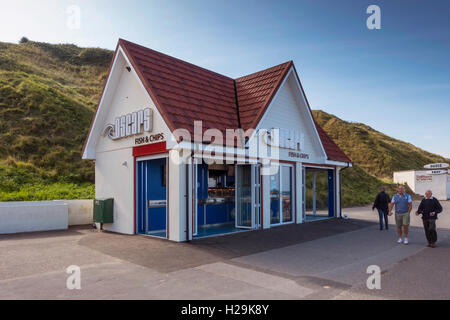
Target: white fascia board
[
  {"x": 339, "y": 163},
  {"x": 308, "y": 111},
  {"x": 89, "y": 150}
]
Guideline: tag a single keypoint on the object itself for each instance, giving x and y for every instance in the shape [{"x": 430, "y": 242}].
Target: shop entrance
[
  {"x": 282, "y": 196},
  {"x": 318, "y": 193},
  {"x": 151, "y": 202},
  {"x": 228, "y": 199}
]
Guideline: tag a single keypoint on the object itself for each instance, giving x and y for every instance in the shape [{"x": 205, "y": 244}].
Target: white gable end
[
  {"x": 124, "y": 95},
  {"x": 289, "y": 111}
]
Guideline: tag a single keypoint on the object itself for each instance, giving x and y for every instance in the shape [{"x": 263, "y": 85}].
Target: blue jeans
[{"x": 383, "y": 217}]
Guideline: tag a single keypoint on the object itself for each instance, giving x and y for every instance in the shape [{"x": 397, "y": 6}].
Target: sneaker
[
  {"x": 433, "y": 245},
  {"x": 406, "y": 241},
  {"x": 400, "y": 240}
]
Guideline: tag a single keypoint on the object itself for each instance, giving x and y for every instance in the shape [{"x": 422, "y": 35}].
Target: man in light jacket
[{"x": 429, "y": 208}]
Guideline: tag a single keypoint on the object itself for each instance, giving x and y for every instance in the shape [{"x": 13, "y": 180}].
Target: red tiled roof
[
  {"x": 256, "y": 91},
  {"x": 184, "y": 93},
  {"x": 331, "y": 148}
]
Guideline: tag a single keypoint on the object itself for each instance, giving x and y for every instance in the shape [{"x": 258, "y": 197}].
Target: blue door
[{"x": 152, "y": 197}]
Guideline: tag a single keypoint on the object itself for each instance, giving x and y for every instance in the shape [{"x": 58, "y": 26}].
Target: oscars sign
[{"x": 131, "y": 124}]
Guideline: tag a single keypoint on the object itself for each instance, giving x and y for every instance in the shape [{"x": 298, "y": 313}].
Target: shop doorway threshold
[{"x": 218, "y": 230}]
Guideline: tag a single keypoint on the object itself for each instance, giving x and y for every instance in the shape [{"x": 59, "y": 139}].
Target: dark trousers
[
  {"x": 430, "y": 230},
  {"x": 383, "y": 218}
]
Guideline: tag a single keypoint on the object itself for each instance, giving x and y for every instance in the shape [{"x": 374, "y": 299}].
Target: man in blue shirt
[{"x": 403, "y": 206}]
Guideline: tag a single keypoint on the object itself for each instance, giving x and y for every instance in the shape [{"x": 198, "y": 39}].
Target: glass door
[
  {"x": 244, "y": 197},
  {"x": 256, "y": 182},
  {"x": 304, "y": 193},
  {"x": 282, "y": 195},
  {"x": 275, "y": 214},
  {"x": 287, "y": 194}
]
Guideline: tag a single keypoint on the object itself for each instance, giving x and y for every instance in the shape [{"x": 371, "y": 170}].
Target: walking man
[
  {"x": 382, "y": 204},
  {"x": 403, "y": 206},
  {"x": 429, "y": 208}
]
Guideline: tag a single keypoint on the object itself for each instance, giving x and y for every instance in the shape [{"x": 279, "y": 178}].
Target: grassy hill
[
  {"x": 375, "y": 152},
  {"x": 47, "y": 97},
  {"x": 48, "y": 94}
]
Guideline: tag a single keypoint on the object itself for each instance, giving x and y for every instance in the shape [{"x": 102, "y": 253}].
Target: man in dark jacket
[
  {"x": 382, "y": 204},
  {"x": 429, "y": 208}
]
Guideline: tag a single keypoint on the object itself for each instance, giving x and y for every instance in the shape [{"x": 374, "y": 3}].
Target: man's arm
[
  {"x": 438, "y": 206},
  {"x": 375, "y": 203},
  {"x": 391, "y": 206},
  {"x": 420, "y": 209},
  {"x": 410, "y": 204}
]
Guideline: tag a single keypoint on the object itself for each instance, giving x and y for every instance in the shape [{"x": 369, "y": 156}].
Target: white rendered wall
[
  {"x": 406, "y": 177},
  {"x": 18, "y": 217},
  {"x": 115, "y": 180},
  {"x": 288, "y": 111},
  {"x": 177, "y": 199},
  {"x": 114, "y": 171},
  {"x": 127, "y": 98}
]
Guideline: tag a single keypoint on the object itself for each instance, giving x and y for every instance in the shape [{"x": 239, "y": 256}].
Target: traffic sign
[
  {"x": 436, "y": 172},
  {"x": 437, "y": 166}
]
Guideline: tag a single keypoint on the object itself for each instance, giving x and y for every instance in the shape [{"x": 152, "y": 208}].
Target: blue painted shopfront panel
[{"x": 151, "y": 185}]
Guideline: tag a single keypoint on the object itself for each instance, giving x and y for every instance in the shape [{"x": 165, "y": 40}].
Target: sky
[{"x": 395, "y": 79}]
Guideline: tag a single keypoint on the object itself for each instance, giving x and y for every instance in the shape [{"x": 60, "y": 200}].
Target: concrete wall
[
  {"x": 17, "y": 217},
  {"x": 80, "y": 212}
]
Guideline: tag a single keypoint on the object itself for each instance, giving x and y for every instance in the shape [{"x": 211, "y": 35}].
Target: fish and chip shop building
[{"x": 156, "y": 142}]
